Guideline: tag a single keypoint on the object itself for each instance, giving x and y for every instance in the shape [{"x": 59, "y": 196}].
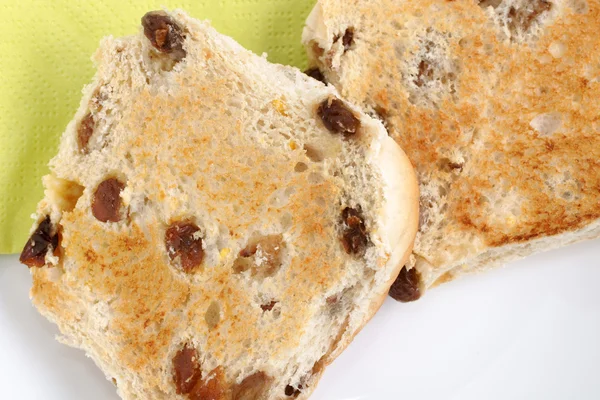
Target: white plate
[{"x": 529, "y": 331}]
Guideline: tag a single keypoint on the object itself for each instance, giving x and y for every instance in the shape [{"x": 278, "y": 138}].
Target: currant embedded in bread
[
  {"x": 186, "y": 369},
  {"x": 407, "y": 286},
  {"x": 42, "y": 240},
  {"x": 354, "y": 236},
  {"x": 291, "y": 391},
  {"x": 268, "y": 306},
  {"x": 85, "y": 132},
  {"x": 425, "y": 73},
  {"x": 184, "y": 245},
  {"x": 164, "y": 34},
  {"x": 469, "y": 89},
  {"x": 189, "y": 380},
  {"x": 347, "y": 39},
  {"x": 315, "y": 73},
  {"x": 106, "y": 203},
  {"x": 337, "y": 117}
]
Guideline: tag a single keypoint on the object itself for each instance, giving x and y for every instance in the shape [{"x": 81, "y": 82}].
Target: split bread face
[
  {"x": 494, "y": 102},
  {"x": 216, "y": 226}
]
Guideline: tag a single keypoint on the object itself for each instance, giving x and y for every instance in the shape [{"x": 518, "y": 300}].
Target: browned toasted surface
[{"x": 463, "y": 93}]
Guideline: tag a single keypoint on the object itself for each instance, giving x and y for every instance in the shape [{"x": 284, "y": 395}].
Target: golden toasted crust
[
  {"x": 494, "y": 103},
  {"x": 219, "y": 140}
]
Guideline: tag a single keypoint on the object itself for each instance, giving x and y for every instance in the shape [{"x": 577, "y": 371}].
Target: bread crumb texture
[{"x": 495, "y": 103}]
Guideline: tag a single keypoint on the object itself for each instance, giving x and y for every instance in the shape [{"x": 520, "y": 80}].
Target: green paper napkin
[{"x": 45, "y": 51}]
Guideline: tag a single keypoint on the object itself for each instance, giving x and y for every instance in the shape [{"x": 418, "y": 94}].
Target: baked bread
[
  {"x": 215, "y": 226},
  {"x": 495, "y": 103}
]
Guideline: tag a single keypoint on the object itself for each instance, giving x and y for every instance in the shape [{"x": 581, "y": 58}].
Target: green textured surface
[{"x": 45, "y": 61}]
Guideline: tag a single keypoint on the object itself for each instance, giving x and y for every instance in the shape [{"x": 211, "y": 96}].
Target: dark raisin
[
  {"x": 186, "y": 369},
  {"x": 182, "y": 241},
  {"x": 36, "y": 248},
  {"x": 164, "y": 34},
  {"x": 454, "y": 165},
  {"x": 407, "y": 286},
  {"x": 253, "y": 387},
  {"x": 447, "y": 165},
  {"x": 315, "y": 73},
  {"x": 354, "y": 235},
  {"x": 354, "y": 242},
  {"x": 291, "y": 391},
  {"x": 338, "y": 118},
  {"x": 348, "y": 39},
  {"x": 85, "y": 132},
  {"x": 106, "y": 203},
  {"x": 425, "y": 73},
  {"x": 268, "y": 306}
]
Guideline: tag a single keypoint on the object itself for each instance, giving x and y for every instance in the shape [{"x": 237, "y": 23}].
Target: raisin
[
  {"x": 268, "y": 306},
  {"x": 186, "y": 369},
  {"x": 407, "y": 286},
  {"x": 85, "y": 132},
  {"x": 338, "y": 118},
  {"x": 348, "y": 39},
  {"x": 211, "y": 389},
  {"x": 36, "y": 248},
  {"x": 164, "y": 34},
  {"x": 291, "y": 391},
  {"x": 315, "y": 73},
  {"x": 447, "y": 165},
  {"x": 354, "y": 236},
  {"x": 183, "y": 241},
  {"x": 425, "y": 73},
  {"x": 253, "y": 387},
  {"x": 106, "y": 204}
]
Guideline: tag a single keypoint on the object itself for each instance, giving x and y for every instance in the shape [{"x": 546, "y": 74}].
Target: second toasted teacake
[{"x": 496, "y": 105}]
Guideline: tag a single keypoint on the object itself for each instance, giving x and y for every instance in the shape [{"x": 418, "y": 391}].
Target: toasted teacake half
[
  {"x": 496, "y": 104},
  {"x": 215, "y": 226}
]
